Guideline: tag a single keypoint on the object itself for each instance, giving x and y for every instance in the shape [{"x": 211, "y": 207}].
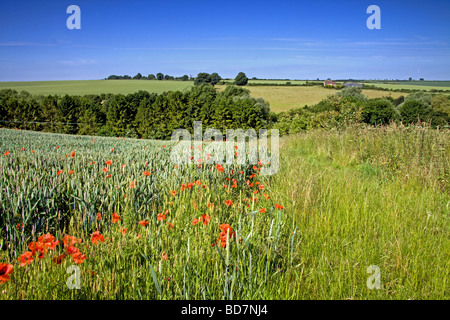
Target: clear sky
[{"x": 265, "y": 39}]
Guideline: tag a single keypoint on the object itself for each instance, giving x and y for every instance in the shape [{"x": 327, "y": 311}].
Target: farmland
[
  {"x": 341, "y": 202},
  {"x": 82, "y": 87},
  {"x": 283, "y": 98}
]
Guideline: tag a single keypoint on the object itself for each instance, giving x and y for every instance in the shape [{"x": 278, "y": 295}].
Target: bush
[{"x": 378, "y": 111}]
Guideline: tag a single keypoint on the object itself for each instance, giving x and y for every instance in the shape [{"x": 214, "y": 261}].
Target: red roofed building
[{"x": 329, "y": 83}]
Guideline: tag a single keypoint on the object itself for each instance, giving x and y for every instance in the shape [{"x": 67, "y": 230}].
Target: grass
[
  {"x": 415, "y": 85},
  {"x": 285, "y": 98},
  {"x": 82, "y": 87},
  {"x": 352, "y": 199}
]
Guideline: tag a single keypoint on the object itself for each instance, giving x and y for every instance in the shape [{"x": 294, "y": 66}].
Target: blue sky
[{"x": 265, "y": 39}]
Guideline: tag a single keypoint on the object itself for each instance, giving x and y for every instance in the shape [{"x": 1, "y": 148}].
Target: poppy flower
[
  {"x": 59, "y": 172},
  {"x": 97, "y": 238},
  {"x": 132, "y": 184},
  {"x": 109, "y": 162},
  {"x": 205, "y": 219},
  {"x": 261, "y": 187},
  {"x": 57, "y": 147},
  {"x": 59, "y": 259},
  {"x": 25, "y": 258},
  {"x": 194, "y": 222},
  {"x": 169, "y": 226},
  {"x": 262, "y": 210},
  {"x": 105, "y": 169},
  {"x": 278, "y": 206},
  {"x": 210, "y": 205},
  {"x": 173, "y": 192},
  {"x": 71, "y": 250},
  {"x": 32, "y": 151},
  {"x": 228, "y": 202},
  {"x": 73, "y": 154},
  {"x": 146, "y": 173},
  {"x": 108, "y": 176},
  {"x": 6, "y": 153},
  {"x": 99, "y": 216},
  {"x": 123, "y": 230},
  {"x": 143, "y": 223},
  {"x": 69, "y": 240},
  {"x": 164, "y": 256},
  {"x": 5, "y": 271},
  {"x": 78, "y": 257},
  {"x": 115, "y": 217},
  {"x": 160, "y": 217},
  {"x": 71, "y": 171}
]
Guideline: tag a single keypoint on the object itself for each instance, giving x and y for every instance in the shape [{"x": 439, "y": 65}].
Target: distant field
[
  {"x": 285, "y": 98},
  {"x": 82, "y": 87},
  {"x": 272, "y": 81},
  {"x": 414, "y": 85}
]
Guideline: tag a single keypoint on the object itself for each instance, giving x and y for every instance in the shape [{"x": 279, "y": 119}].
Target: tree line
[
  {"x": 201, "y": 78},
  {"x": 141, "y": 114}
]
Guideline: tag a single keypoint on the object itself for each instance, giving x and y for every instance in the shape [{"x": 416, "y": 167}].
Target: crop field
[
  {"x": 283, "y": 98},
  {"x": 414, "y": 85},
  {"x": 83, "y": 87},
  {"x": 139, "y": 227}
]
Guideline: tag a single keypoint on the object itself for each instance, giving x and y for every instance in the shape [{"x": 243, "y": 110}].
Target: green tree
[
  {"x": 151, "y": 77},
  {"x": 412, "y": 111},
  {"x": 138, "y": 76},
  {"x": 378, "y": 111},
  {"x": 159, "y": 76},
  {"x": 202, "y": 78},
  {"x": 241, "y": 79},
  {"x": 215, "y": 78}
]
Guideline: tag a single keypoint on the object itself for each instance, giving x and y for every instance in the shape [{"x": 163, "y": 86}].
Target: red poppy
[
  {"x": 262, "y": 210},
  {"x": 71, "y": 250},
  {"x": 6, "y": 153},
  {"x": 228, "y": 202},
  {"x": 164, "y": 256},
  {"x": 69, "y": 240},
  {"x": 105, "y": 169},
  {"x": 205, "y": 219},
  {"x": 169, "y": 226},
  {"x": 97, "y": 238},
  {"x": 123, "y": 230},
  {"x": 146, "y": 173},
  {"x": 194, "y": 222},
  {"x": 143, "y": 223},
  {"x": 131, "y": 186},
  {"x": 71, "y": 171},
  {"x": 278, "y": 206},
  {"x": 5, "y": 271},
  {"x": 99, "y": 216},
  {"x": 25, "y": 258},
  {"x": 59, "y": 259},
  {"x": 73, "y": 154},
  {"x": 78, "y": 257},
  {"x": 115, "y": 217},
  {"x": 59, "y": 172},
  {"x": 108, "y": 176},
  {"x": 160, "y": 217},
  {"x": 174, "y": 192},
  {"x": 109, "y": 162}
]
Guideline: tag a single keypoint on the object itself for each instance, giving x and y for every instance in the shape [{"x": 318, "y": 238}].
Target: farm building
[
  {"x": 352, "y": 84},
  {"x": 329, "y": 83}
]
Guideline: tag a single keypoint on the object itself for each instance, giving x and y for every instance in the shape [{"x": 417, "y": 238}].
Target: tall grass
[{"x": 369, "y": 196}]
